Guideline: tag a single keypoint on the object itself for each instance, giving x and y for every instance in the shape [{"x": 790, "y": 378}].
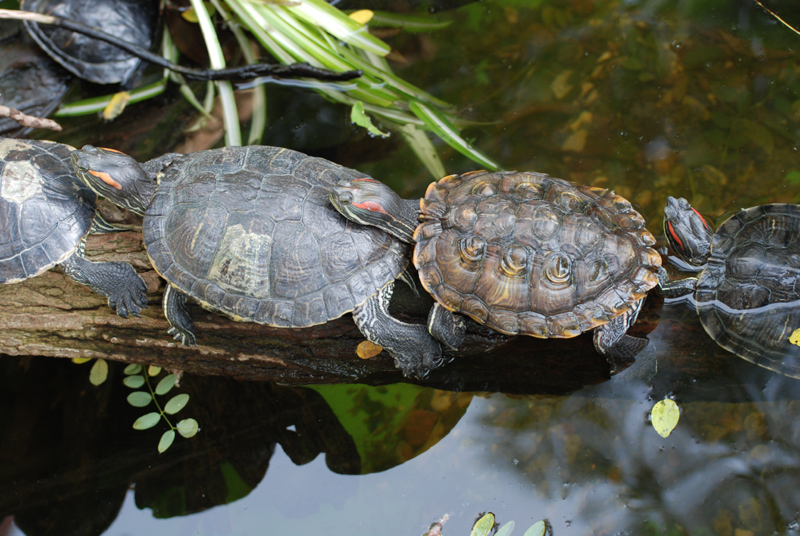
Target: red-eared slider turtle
[
  {"x": 523, "y": 253},
  {"x": 249, "y": 232},
  {"x": 45, "y": 215},
  {"x": 747, "y": 293},
  {"x": 131, "y": 20}
]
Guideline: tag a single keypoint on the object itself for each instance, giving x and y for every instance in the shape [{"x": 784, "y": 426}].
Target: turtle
[
  {"x": 134, "y": 21},
  {"x": 46, "y": 214},
  {"x": 248, "y": 232},
  {"x": 521, "y": 252},
  {"x": 747, "y": 288}
]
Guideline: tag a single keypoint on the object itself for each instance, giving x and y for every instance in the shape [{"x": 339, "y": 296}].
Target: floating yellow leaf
[
  {"x": 117, "y": 104},
  {"x": 664, "y": 416},
  {"x": 794, "y": 338},
  {"x": 367, "y": 350},
  {"x": 362, "y": 16}
]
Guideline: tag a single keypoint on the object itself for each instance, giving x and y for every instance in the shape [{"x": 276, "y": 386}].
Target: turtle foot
[
  {"x": 129, "y": 296},
  {"x": 446, "y": 327},
  {"x": 181, "y": 325}
]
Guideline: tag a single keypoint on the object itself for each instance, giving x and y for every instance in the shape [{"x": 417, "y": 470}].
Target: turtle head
[
  {"x": 687, "y": 231},
  {"x": 115, "y": 176},
  {"x": 370, "y": 202}
]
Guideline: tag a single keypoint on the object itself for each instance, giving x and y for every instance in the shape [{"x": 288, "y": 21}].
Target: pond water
[{"x": 699, "y": 99}]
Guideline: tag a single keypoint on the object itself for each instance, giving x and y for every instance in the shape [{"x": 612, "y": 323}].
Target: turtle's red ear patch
[
  {"x": 372, "y": 206},
  {"x": 674, "y": 235},
  {"x": 106, "y": 178}
]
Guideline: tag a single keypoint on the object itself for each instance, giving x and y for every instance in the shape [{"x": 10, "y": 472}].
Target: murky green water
[{"x": 699, "y": 99}]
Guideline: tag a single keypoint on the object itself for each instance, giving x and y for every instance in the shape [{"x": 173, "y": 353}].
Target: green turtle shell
[
  {"x": 44, "y": 210},
  {"x": 748, "y": 296},
  {"x": 250, "y": 233},
  {"x": 525, "y": 253}
]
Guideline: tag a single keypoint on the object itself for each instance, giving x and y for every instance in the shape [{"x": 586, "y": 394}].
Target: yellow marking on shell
[
  {"x": 21, "y": 181},
  {"x": 242, "y": 263},
  {"x": 196, "y": 235}
]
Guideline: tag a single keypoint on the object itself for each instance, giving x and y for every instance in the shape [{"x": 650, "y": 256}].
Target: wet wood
[{"x": 52, "y": 316}]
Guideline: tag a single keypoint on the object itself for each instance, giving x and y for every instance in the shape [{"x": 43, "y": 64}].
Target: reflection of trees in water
[
  {"x": 728, "y": 466},
  {"x": 68, "y": 453}
]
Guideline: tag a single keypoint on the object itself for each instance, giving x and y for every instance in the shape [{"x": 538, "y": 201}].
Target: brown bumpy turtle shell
[{"x": 525, "y": 253}]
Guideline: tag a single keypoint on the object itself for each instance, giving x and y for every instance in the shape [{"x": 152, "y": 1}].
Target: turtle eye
[{"x": 472, "y": 248}]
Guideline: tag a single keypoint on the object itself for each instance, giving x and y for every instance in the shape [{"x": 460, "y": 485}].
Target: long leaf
[
  {"x": 337, "y": 23},
  {"x": 233, "y": 135},
  {"x": 443, "y": 128}
]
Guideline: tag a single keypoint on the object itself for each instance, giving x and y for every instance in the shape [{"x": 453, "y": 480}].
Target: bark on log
[{"x": 50, "y": 315}]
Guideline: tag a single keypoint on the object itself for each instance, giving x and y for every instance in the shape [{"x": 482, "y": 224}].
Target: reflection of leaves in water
[
  {"x": 729, "y": 466},
  {"x": 392, "y": 424}
]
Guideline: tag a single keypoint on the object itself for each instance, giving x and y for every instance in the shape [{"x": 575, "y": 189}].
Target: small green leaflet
[
  {"x": 166, "y": 383},
  {"x": 134, "y": 382},
  {"x": 139, "y": 399},
  {"x": 360, "y": 118},
  {"x": 483, "y": 526},
  {"x": 166, "y": 440},
  {"x": 147, "y": 421},
  {"x": 176, "y": 403},
  {"x": 188, "y": 427},
  {"x": 99, "y": 372}
]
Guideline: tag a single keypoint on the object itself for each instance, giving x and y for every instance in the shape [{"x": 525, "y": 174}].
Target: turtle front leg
[
  {"x": 181, "y": 325},
  {"x": 446, "y": 327},
  {"x": 414, "y": 351},
  {"x": 118, "y": 282},
  {"x": 676, "y": 288},
  {"x": 619, "y": 348}
]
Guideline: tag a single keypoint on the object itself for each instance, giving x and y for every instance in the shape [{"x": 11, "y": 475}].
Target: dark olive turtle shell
[
  {"x": 132, "y": 20},
  {"x": 44, "y": 210},
  {"x": 748, "y": 296},
  {"x": 525, "y": 253},
  {"x": 250, "y": 233}
]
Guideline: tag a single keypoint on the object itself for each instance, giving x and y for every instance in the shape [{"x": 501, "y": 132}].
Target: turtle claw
[
  {"x": 185, "y": 338},
  {"x": 129, "y": 296}
]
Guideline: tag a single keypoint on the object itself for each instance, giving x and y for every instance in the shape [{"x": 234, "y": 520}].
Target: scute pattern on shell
[
  {"x": 250, "y": 233},
  {"x": 748, "y": 297},
  {"x": 526, "y": 253},
  {"x": 45, "y": 210}
]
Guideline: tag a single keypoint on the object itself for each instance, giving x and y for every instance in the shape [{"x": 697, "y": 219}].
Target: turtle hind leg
[
  {"x": 414, "y": 351},
  {"x": 181, "y": 325},
  {"x": 118, "y": 282},
  {"x": 618, "y": 347},
  {"x": 445, "y": 326}
]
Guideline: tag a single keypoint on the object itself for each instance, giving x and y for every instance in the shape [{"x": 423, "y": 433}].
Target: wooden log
[{"x": 50, "y": 315}]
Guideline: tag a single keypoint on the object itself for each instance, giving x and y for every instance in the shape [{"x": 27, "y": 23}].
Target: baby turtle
[
  {"x": 523, "y": 253},
  {"x": 45, "y": 216},
  {"x": 249, "y": 232},
  {"x": 747, "y": 292}
]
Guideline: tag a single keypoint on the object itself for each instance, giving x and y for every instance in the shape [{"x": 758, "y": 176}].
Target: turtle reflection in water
[
  {"x": 747, "y": 293},
  {"x": 45, "y": 217},
  {"x": 523, "y": 253},
  {"x": 249, "y": 232}
]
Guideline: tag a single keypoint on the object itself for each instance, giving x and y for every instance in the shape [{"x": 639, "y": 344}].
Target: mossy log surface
[{"x": 52, "y": 316}]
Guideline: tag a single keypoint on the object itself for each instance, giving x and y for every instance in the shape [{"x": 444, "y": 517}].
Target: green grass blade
[
  {"x": 97, "y": 104},
  {"x": 322, "y": 14},
  {"x": 409, "y": 23},
  {"x": 230, "y": 115},
  {"x": 424, "y": 149},
  {"x": 442, "y": 127}
]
